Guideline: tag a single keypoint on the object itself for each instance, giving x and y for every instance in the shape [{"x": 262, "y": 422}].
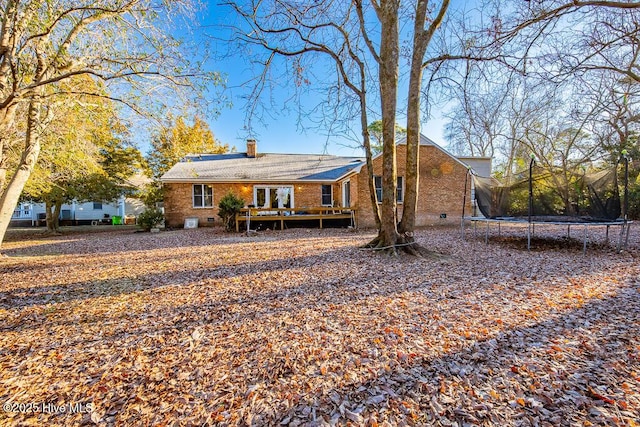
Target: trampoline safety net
[{"x": 555, "y": 195}]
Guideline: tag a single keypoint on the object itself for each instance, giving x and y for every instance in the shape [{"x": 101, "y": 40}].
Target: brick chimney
[{"x": 252, "y": 148}]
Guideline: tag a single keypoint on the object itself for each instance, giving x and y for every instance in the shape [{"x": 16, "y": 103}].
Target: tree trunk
[
  {"x": 366, "y": 140},
  {"x": 53, "y": 209},
  {"x": 3, "y": 161},
  {"x": 8, "y": 43},
  {"x": 421, "y": 39},
  {"x": 408, "y": 222},
  {"x": 412, "y": 174},
  {"x": 11, "y": 195},
  {"x": 7, "y": 116},
  {"x": 48, "y": 216},
  {"x": 388, "y": 75}
]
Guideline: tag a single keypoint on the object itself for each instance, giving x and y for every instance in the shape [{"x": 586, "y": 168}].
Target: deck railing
[{"x": 281, "y": 215}]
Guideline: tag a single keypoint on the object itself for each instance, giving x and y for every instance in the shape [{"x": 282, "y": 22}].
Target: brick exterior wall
[
  {"x": 178, "y": 203},
  {"x": 440, "y": 188},
  {"x": 178, "y": 199}
]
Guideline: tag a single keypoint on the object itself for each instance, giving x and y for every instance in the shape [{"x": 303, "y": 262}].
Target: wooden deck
[{"x": 283, "y": 215}]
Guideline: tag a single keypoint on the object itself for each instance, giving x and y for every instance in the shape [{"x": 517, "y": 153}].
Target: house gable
[{"x": 441, "y": 186}]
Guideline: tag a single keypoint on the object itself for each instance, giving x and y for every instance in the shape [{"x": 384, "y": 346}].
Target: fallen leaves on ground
[{"x": 301, "y": 327}]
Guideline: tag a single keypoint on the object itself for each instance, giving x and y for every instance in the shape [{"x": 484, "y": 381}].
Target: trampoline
[{"x": 556, "y": 198}]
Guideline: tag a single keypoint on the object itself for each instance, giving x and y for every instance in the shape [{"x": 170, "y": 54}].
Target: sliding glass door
[{"x": 271, "y": 197}]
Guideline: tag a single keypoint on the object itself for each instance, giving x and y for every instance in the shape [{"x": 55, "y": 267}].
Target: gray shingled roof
[{"x": 237, "y": 167}]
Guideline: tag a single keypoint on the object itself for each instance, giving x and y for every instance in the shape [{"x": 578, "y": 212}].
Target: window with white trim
[
  {"x": 327, "y": 195},
  {"x": 377, "y": 181},
  {"x": 202, "y": 196}
]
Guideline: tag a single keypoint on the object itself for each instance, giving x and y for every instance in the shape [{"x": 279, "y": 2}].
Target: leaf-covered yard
[{"x": 196, "y": 327}]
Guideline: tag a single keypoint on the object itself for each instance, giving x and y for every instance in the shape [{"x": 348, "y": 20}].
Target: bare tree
[
  {"x": 477, "y": 121},
  {"x": 296, "y": 30},
  {"x": 326, "y": 33},
  {"x": 618, "y": 124},
  {"x": 547, "y": 46},
  {"x": 561, "y": 141},
  {"x": 344, "y": 33},
  {"x": 422, "y": 37},
  {"x": 557, "y": 39}
]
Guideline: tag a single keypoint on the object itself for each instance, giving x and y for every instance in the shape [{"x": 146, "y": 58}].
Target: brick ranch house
[{"x": 194, "y": 186}]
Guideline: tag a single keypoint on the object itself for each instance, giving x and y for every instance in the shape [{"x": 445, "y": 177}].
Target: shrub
[
  {"x": 228, "y": 207},
  {"x": 150, "y": 219}
]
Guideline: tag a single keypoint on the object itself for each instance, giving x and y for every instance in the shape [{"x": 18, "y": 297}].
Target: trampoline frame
[
  {"x": 622, "y": 243},
  {"x": 531, "y": 220}
]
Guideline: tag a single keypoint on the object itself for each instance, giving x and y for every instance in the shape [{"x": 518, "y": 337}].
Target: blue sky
[{"x": 279, "y": 133}]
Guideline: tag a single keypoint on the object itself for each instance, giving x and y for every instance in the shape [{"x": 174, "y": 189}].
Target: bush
[
  {"x": 228, "y": 207},
  {"x": 150, "y": 219}
]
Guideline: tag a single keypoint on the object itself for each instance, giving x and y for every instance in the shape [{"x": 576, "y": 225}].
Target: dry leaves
[{"x": 197, "y": 327}]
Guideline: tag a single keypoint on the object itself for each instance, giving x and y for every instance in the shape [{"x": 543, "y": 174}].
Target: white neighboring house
[
  {"x": 89, "y": 213},
  {"x": 34, "y": 214}
]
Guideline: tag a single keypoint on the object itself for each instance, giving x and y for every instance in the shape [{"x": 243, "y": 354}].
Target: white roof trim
[
  {"x": 351, "y": 172},
  {"x": 247, "y": 181}
]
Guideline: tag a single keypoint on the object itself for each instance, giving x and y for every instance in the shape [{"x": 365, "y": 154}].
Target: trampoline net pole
[
  {"x": 626, "y": 185},
  {"x": 625, "y": 203},
  {"x": 531, "y": 163}
]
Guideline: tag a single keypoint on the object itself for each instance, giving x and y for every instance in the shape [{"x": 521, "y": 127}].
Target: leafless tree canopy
[{"x": 565, "y": 93}]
